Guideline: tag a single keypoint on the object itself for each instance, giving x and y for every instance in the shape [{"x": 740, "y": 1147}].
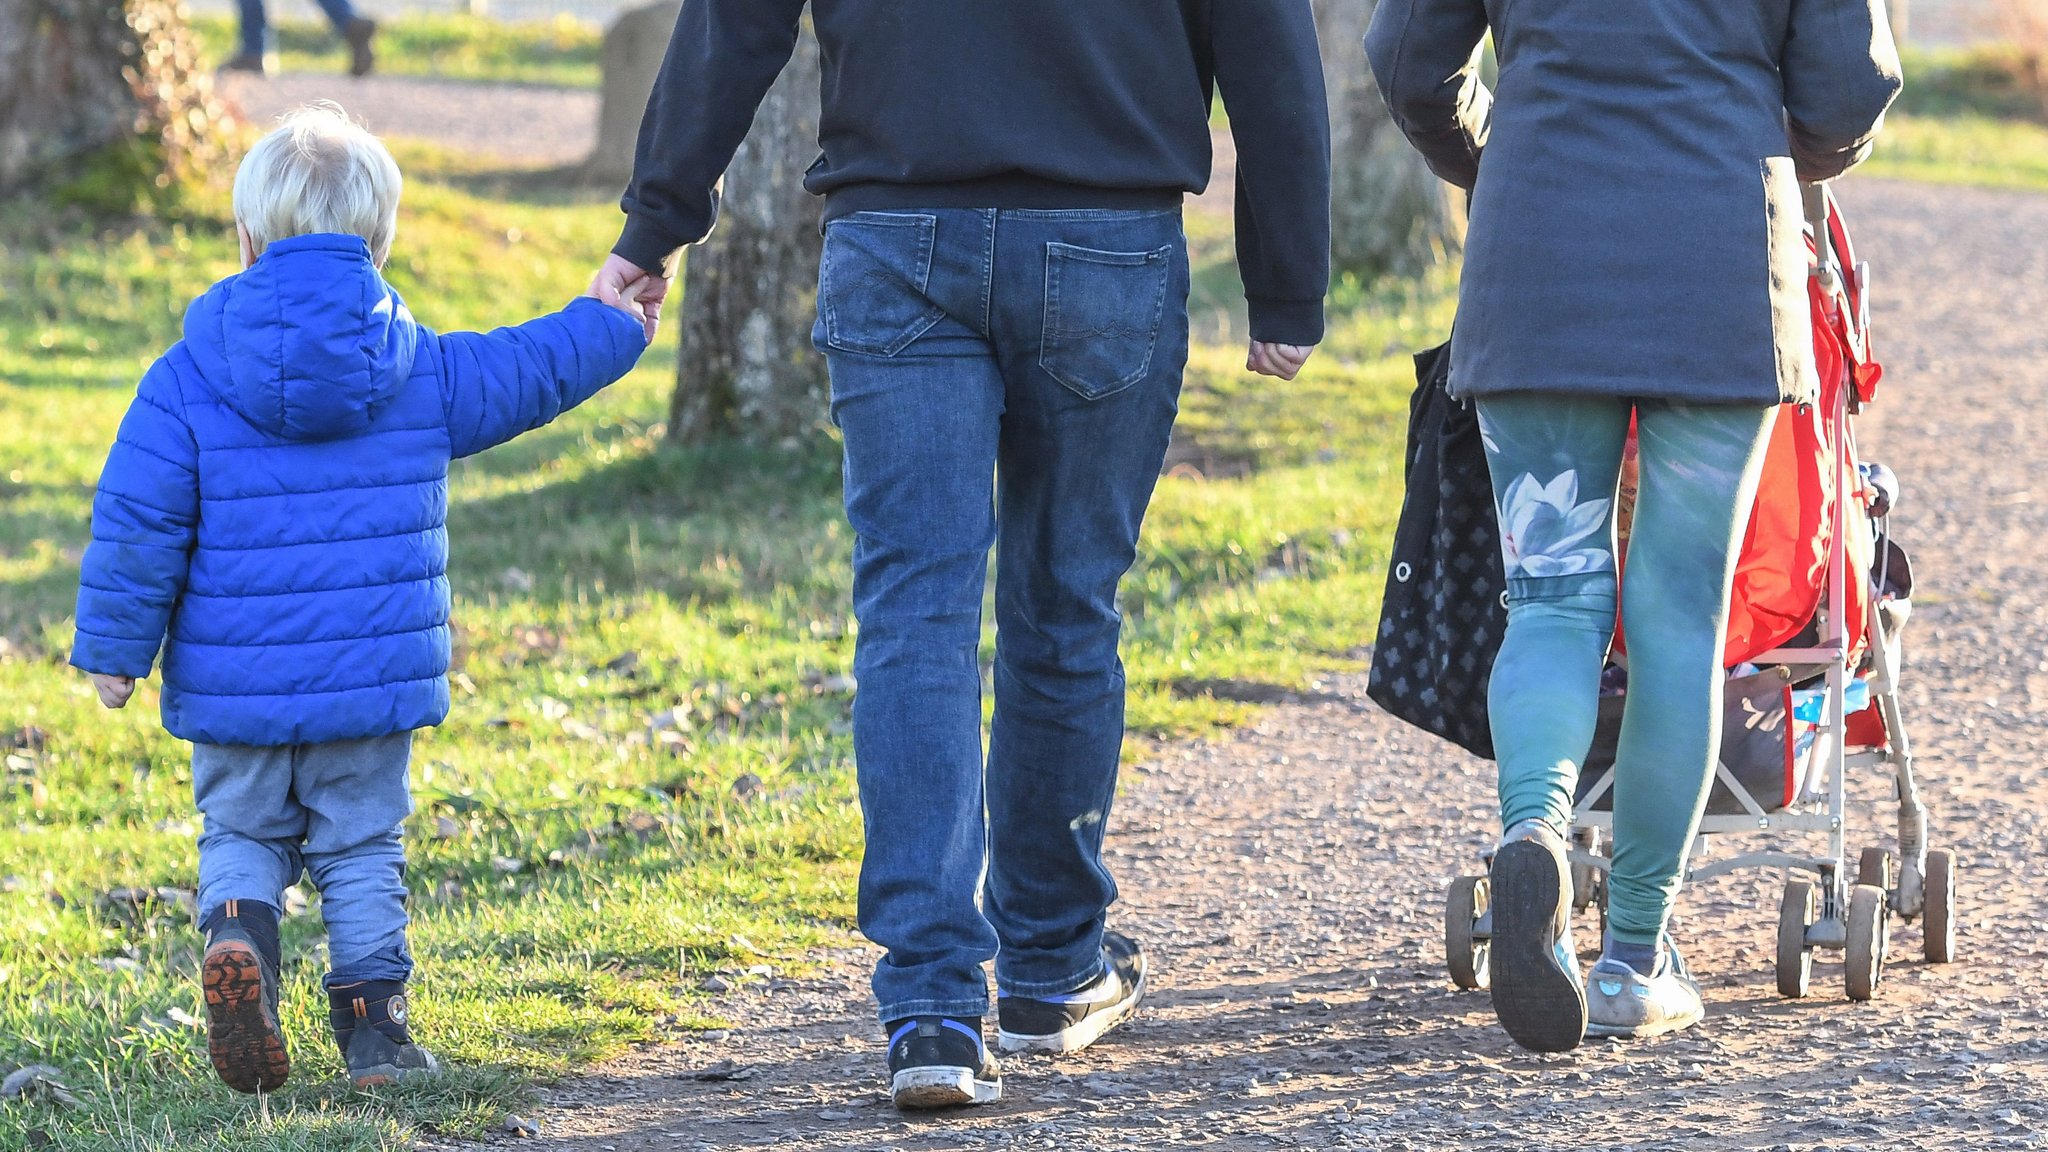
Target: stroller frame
[{"x": 1830, "y": 910}]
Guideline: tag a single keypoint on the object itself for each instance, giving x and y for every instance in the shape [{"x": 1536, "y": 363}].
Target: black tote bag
[{"x": 1446, "y": 602}]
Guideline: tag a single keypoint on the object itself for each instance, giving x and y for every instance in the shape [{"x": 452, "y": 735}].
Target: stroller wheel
[
  {"x": 1869, "y": 938},
  {"x": 1795, "y": 960},
  {"x": 1938, "y": 923},
  {"x": 1874, "y": 868},
  {"x": 1467, "y": 947}
]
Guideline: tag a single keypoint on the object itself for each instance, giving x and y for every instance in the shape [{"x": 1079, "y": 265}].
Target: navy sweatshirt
[{"x": 1013, "y": 104}]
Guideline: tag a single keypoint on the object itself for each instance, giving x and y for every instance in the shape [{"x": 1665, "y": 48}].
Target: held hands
[
  {"x": 1282, "y": 360},
  {"x": 114, "y": 690},
  {"x": 630, "y": 288}
]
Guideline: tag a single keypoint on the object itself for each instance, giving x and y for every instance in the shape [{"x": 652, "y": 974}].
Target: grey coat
[{"x": 1636, "y": 212}]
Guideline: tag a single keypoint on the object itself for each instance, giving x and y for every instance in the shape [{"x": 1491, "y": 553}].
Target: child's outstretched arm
[
  {"x": 143, "y": 521},
  {"x": 497, "y": 385}
]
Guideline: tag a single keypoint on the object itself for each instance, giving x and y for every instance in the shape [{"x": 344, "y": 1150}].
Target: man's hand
[
  {"x": 1282, "y": 360},
  {"x": 114, "y": 690},
  {"x": 630, "y": 288}
]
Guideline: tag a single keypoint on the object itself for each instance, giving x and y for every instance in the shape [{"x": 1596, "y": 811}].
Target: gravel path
[
  {"x": 1289, "y": 880},
  {"x": 525, "y": 124}
]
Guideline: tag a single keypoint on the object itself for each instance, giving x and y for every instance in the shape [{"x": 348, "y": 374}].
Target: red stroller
[{"x": 1821, "y": 595}]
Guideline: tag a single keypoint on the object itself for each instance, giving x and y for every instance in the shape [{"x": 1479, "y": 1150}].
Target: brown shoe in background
[
  {"x": 243, "y": 63},
  {"x": 360, "y": 32}
]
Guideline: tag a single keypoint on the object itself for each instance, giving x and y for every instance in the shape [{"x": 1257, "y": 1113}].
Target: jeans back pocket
[
  {"x": 1102, "y": 313},
  {"x": 872, "y": 281}
]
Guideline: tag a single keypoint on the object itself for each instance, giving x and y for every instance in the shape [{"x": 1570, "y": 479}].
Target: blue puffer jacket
[{"x": 276, "y": 500}]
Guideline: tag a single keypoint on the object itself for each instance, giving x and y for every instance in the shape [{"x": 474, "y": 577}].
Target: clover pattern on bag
[{"x": 1543, "y": 526}]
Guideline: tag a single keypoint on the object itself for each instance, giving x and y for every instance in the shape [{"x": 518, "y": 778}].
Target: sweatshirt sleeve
[
  {"x": 1841, "y": 71},
  {"x": 1425, "y": 59},
  {"x": 144, "y": 519},
  {"x": 721, "y": 61},
  {"x": 1270, "y": 73},
  {"x": 498, "y": 385}
]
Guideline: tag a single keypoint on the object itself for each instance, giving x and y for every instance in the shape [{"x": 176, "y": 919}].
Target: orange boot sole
[{"x": 242, "y": 1034}]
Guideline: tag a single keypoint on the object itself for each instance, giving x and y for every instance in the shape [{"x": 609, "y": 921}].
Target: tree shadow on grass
[{"x": 695, "y": 523}]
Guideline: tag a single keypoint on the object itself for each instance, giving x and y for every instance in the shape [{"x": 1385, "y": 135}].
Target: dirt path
[
  {"x": 527, "y": 124},
  {"x": 1289, "y": 881}
]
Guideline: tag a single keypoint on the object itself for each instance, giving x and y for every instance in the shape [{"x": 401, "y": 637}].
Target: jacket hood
[{"x": 309, "y": 343}]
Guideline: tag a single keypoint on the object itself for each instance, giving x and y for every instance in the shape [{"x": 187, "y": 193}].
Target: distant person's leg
[
  {"x": 255, "y": 38},
  {"x": 918, "y": 398},
  {"x": 1091, "y": 324},
  {"x": 1555, "y": 461},
  {"x": 1699, "y": 475},
  {"x": 357, "y": 29}
]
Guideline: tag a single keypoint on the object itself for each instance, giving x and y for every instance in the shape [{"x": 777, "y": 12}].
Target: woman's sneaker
[
  {"x": 1073, "y": 1021},
  {"x": 940, "y": 1062},
  {"x": 1536, "y": 991},
  {"x": 370, "y": 1028},
  {"x": 238, "y": 979},
  {"x": 1622, "y": 1002}
]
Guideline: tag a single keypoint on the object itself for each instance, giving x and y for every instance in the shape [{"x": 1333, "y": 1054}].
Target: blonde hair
[{"x": 319, "y": 171}]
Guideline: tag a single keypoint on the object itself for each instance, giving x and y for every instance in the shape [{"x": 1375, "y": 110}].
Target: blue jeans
[
  {"x": 256, "y": 30},
  {"x": 1006, "y": 379},
  {"x": 1556, "y": 461},
  {"x": 328, "y": 810}
]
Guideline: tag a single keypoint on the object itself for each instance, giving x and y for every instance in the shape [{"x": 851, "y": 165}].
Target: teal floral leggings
[{"x": 1556, "y": 461}]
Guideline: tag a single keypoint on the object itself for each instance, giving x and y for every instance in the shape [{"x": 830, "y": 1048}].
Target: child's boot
[
  {"x": 370, "y": 1029},
  {"x": 239, "y": 978}
]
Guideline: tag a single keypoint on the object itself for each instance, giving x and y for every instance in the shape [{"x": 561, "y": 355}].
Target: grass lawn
[
  {"x": 1964, "y": 118},
  {"x": 562, "y": 51},
  {"x": 1986, "y": 151},
  {"x": 578, "y": 866}
]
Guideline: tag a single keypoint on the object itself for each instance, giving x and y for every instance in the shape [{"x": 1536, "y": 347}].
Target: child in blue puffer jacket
[{"x": 273, "y": 518}]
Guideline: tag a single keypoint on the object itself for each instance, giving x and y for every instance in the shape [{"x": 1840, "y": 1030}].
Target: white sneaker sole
[
  {"x": 1644, "y": 1031},
  {"x": 1079, "y": 1035},
  {"x": 942, "y": 1088}
]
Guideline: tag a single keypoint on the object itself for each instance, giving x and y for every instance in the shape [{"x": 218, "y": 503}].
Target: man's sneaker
[
  {"x": 238, "y": 978},
  {"x": 369, "y": 1021},
  {"x": 1536, "y": 991},
  {"x": 1622, "y": 1002},
  {"x": 1073, "y": 1021},
  {"x": 244, "y": 62},
  {"x": 359, "y": 33},
  {"x": 940, "y": 1062}
]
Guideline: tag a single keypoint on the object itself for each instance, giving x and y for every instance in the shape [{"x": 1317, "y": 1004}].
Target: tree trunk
[
  {"x": 85, "y": 79},
  {"x": 747, "y": 369},
  {"x": 1389, "y": 216},
  {"x": 633, "y": 47}
]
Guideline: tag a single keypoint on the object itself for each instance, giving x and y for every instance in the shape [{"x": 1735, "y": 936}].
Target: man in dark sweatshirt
[{"x": 1003, "y": 309}]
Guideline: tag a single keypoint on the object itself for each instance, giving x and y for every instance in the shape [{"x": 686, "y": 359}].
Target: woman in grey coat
[{"x": 1635, "y": 251}]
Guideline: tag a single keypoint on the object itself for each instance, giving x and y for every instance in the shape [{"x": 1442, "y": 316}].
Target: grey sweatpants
[{"x": 331, "y": 811}]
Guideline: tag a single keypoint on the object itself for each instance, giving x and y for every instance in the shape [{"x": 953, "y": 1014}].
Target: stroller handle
[{"x": 1816, "y": 200}]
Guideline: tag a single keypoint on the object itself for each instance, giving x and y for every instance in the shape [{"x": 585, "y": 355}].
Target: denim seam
[
  {"x": 988, "y": 276},
  {"x": 1111, "y": 215},
  {"x": 1058, "y": 987},
  {"x": 956, "y": 1008}
]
